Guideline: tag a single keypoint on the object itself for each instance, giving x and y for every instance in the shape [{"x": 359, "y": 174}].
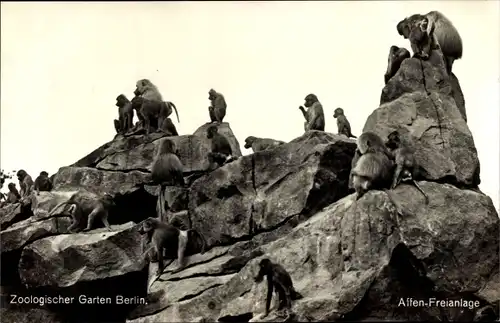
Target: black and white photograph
[{"x": 250, "y": 161}]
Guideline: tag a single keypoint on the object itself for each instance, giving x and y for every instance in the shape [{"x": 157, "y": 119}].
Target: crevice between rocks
[{"x": 429, "y": 95}]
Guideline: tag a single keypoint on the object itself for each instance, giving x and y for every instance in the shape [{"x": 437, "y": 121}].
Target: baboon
[
  {"x": 217, "y": 108},
  {"x": 343, "y": 125},
  {"x": 315, "y": 118},
  {"x": 43, "y": 183},
  {"x": 441, "y": 30},
  {"x": 221, "y": 151},
  {"x": 373, "y": 167},
  {"x": 259, "y": 144},
  {"x": 147, "y": 90},
  {"x": 406, "y": 166},
  {"x": 370, "y": 142},
  {"x": 152, "y": 107},
  {"x": 84, "y": 203},
  {"x": 169, "y": 128},
  {"x": 396, "y": 56},
  {"x": 125, "y": 115},
  {"x": 13, "y": 195},
  {"x": 167, "y": 170},
  {"x": 278, "y": 278},
  {"x": 170, "y": 105},
  {"x": 166, "y": 236},
  {"x": 25, "y": 183},
  {"x": 420, "y": 40},
  {"x": 372, "y": 172}
]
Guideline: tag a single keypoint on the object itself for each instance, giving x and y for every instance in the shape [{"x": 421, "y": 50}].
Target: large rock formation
[
  {"x": 427, "y": 107},
  {"x": 350, "y": 259}
]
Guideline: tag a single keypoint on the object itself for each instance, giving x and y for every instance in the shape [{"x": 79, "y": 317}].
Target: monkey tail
[
  {"x": 56, "y": 207},
  {"x": 421, "y": 191},
  {"x": 175, "y": 108}
]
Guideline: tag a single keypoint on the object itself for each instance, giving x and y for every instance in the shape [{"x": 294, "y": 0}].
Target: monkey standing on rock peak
[
  {"x": 441, "y": 30},
  {"x": 420, "y": 40},
  {"x": 315, "y": 118},
  {"x": 343, "y": 125},
  {"x": 152, "y": 107},
  {"x": 278, "y": 278},
  {"x": 217, "y": 109}
]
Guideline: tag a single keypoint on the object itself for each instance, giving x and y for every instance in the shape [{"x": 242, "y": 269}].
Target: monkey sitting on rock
[
  {"x": 373, "y": 169},
  {"x": 343, "y": 125},
  {"x": 218, "y": 106},
  {"x": 277, "y": 278},
  {"x": 396, "y": 56},
  {"x": 221, "y": 152},
  {"x": 125, "y": 115},
  {"x": 43, "y": 183},
  {"x": 13, "y": 195},
  {"x": 315, "y": 117}
]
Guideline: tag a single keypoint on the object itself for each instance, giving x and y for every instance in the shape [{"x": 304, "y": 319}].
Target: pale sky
[{"x": 63, "y": 64}]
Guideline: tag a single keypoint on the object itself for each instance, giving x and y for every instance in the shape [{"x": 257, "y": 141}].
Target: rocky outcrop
[
  {"x": 262, "y": 191},
  {"x": 427, "y": 107},
  {"x": 355, "y": 260}
]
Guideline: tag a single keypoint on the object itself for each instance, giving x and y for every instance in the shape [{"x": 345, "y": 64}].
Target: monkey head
[
  {"x": 12, "y": 187},
  {"x": 403, "y": 28},
  {"x": 393, "y": 140},
  {"x": 249, "y": 141},
  {"x": 211, "y": 131},
  {"x": 211, "y": 94},
  {"x": 21, "y": 174},
  {"x": 147, "y": 226},
  {"x": 142, "y": 86},
  {"x": 44, "y": 173},
  {"x": 121, "y": 100},
  {"x": 310, "y": 99},
  {"x": 167, "y": 146},
  {"x": 264, "y": 267},
  {"x": 338, "y": 112},
  {"x": 370, "y": 142},
  {"x": 108, "y": 199}
]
